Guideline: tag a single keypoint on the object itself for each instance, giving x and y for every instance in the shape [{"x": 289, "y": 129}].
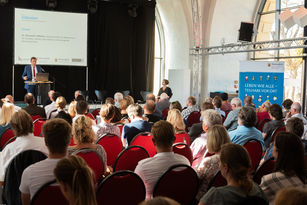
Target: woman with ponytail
[
  {"x": 76, "y": 181},
  {"x": 234, "y": 165},
  {"x": 85, "y": 137}
]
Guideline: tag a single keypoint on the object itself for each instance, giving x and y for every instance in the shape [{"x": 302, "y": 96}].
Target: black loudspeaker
[{"x": 246, "y": 31}]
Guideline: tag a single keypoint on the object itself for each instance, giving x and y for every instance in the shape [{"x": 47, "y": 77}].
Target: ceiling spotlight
[
  {"x": 132, "y": 10},
  {"x": 51, "y": 4},
  {"x": 3, "y": 2},
  {"x": 92, "y": 6}
]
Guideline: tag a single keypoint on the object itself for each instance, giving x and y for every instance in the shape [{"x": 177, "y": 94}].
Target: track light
[{"x": 51, "y": 4}]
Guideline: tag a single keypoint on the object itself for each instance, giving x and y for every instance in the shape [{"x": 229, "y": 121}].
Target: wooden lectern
[{"x": 42, "y": 90}]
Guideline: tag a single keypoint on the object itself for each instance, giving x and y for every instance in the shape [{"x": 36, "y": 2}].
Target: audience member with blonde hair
[
  {"x": 234, "y": 166},
  {"x": 160, "y": 200},
  {"x": 72, "y": 109},
  {"x": 291, "y": 196},
  {"x": 107, "y": 113},
  {"x": 289, "y": 167},
  {"x": 22, "y": 126},
  {"x": 123, "y": 105},
  {"x": 76, "y": 181},
  {"x": 7, "y": 112},
  {"x": 85, "y": 137},
  {"x": 175, "y": 118},
  {"x": 216, "y": 137},
  {"x": 61, "y": 112}
]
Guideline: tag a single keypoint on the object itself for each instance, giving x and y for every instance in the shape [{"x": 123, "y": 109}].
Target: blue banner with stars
[{"x": 263, "y": 81}]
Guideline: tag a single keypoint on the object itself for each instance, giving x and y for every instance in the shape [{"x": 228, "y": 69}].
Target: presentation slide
[{"x": 55, "y": 38}]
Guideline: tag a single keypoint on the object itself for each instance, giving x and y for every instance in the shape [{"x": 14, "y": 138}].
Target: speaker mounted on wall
[{"x": 246, "y": 31}]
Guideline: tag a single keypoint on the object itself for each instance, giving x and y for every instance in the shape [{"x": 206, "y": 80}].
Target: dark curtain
[{"x": 120, "y": 49}]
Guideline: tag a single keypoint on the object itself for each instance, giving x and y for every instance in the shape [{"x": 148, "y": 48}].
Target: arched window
[{"x": 269, "y": 29}]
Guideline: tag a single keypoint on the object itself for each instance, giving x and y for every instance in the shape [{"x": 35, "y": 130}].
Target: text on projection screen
[{"x": 55, "y": 38}]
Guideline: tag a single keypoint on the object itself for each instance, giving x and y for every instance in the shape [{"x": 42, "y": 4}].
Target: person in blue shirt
[{"x": 246, "y": 130}]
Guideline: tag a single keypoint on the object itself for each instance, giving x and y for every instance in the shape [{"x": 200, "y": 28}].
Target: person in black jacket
[
  {"x": 165, "y": 89},
  {"x": 31, "y": 108}
]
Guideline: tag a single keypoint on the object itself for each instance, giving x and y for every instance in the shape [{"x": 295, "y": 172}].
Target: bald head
[
  {"x": 29, "y": 98},
  {"x": 151, "y": 96}
]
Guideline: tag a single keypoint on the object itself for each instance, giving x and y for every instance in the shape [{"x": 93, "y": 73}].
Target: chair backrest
[
  {"x": 179, "y": 182},
  {"x": 144, "y": 94},
  {"x": 254, "y": 149},
  {"x": 184, "y": 150},
  {"x": 121, "y": 187},
  {"x": 125, "y": 92},
  {"x": 35, "y": 117},
  {"x": 193, "y": 118},
  {"x": 144, "y": 139},
  {"x": 13, "y": 173},
  {"x": 101, "y": 94},
  {"x": 90, "y": 116},
  {"x": 208, "y": 154},
  {"x": 95, "y": 112},
  {"x": 49, "y": 194},
  {"x": 9, "y": 141},
  {"x": 261, "y": 124},
  {"x": 276, "y": 131},
  {"x": 128, "y": 159},
  {"x": 112, "y": 144},
  {"x": 5, "y": 137},
  {"x": 182, "y": 137},
  {"x": 266, "y": 168},
  {"x": 94, "y": 161},
  {"x": 37, "y": 126},
  {"x": 217, "y": 181},
  {"x": 165, "y": 113},
  {"x": 120, "y": 126}
]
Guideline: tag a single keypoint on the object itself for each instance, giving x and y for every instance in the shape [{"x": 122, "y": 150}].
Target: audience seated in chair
[
  {"x": 137, "y": 125},
  {"x": 109, "y": 100},
  {"x": 246, "y": 129},
  {"x": 76, "y": 181},
  {"x": 124, "y": 104},
  {"x": 7, "y": 112},
  {"x": 286, "y": 104},
  {"x": 275, "y": 113},
  {"x": 175, "y": 105},
  {"x": 57, "y": 137},
  {"x": 291, "y": 196},
  {"x": 199, "y": 146},
  {"x": 22, "y": 125},
  {"x": 295, "y": 111},
  {"x": 81, "y": 110},
  {"x": 151, "y": 169},
  {"x": 217, "y": 136},
  {"x": 61, "y": 113},
  {"x": 263, "y": 112},
  {"x": 163, "y": 102},
  {"x": 175, "y": 118},
  {"x": 217, "y": 103},
  {"x": 152, "y": 97},
  {"x": 248, "y": 102},
  {"x": 149, "y": 109},
  {"x": 231, "y": 122},
  {"x": 31, "y": 108},
  {"x": 52, "y": 107},
  {"x": 234, "y": 166},
  {"x": 191, "y": 107},
  {"x": 72, "y": 109},
  {"x": 226, "y": 106},
  {"x": 117, "y": 98},
  {"x": 10, "y": 99},
  {"x": 84, "y": 137},
  {"x": 289, "y": 168},
  {"x": 197, "y": 128},
  {"x": 107, "y": 112}
]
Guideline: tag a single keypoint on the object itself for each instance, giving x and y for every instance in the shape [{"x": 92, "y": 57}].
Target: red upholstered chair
[
  {"x": 217, "y": 181},
  {"x": 95, "y": 112},
  {"x": 254, "y": 149},
  {"x": 112, "y": 144},
  {"x": 208, "y": 154},
  {"x": 9, "y": 141},
  {"x": 261, "y": 124},
  {"x": 182, "y": 137},
  {"x": 179, "y": 182},
  {"x": 120, "y": 126},
  {"x": 184, "y": 150},
  {"x": 5, "y": 137},
  {"x": 49, "y": 194},
  {"x": 35, "y": 117},
  {"x": 193, "y": 118},
  {"x": 37, "y": 126},
  {"x": 121, "y": 187},
  {"x": 93, "y": 160},
  {"x": 276, "y": 131},
  {"x": 165, "y": 113},
  {"x": 90, "y": 116},
  {"x": 144, "y": 139},
  {"x": 266, "y": 168},
  {"x": 128, "y": 159}
]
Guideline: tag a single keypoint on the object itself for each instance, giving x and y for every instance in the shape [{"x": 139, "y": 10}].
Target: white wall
[{"x": 220, "y": 71}]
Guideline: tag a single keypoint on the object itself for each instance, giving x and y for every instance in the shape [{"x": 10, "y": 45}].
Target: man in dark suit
[
  {"x": 31, "y": 108},
  {"x": 29, "y": 74}
]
